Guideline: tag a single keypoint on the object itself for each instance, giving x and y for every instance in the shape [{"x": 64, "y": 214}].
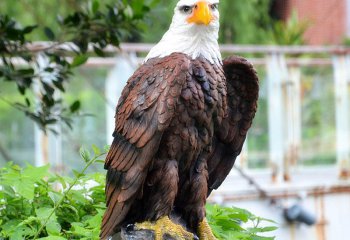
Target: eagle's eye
[
  {"x": 186, "y": 9},
  {"x": 214, "y": 6}
]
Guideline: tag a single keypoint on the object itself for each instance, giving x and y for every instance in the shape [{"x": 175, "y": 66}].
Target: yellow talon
[
  {"x": 165, "y": 226},
  {"x": 204, "y": 231}
]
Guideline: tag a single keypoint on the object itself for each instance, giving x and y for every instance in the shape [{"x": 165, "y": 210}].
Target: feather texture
[
  {"x": 242, "y": 96},
  {"x": 141, "y": 119},
  {"x": 180, "y": 124}
]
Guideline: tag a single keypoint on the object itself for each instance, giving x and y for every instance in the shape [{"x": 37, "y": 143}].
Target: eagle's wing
[
  {"x": 242, "y": 95},
  {"x": 144, "y": 111}
]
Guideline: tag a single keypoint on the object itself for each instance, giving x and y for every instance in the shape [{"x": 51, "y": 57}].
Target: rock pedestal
[{"x": 139, "y": 235}]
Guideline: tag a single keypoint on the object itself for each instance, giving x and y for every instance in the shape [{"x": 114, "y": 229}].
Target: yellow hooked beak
[{"x": 201, "y": 14}]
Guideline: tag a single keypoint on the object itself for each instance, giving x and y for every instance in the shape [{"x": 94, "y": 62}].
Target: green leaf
[
  {"x": 95, "y": 6},
  {"x": 29, "y": 29},
  {"x": 268, "y": 229},
  {"x": 21, "y": 89},
  {"x": 53, "y": 238},
  {"x": 62, "y": 181},
  {"x": 79, "y": 60},
  {"x": 59, "y": 85},
  {"x": 72, "y": 209},
  {"x": 11, "y": 225},
  {"x": 106, "y": 148},
  {"x": 266, "y": 220},
  {"x": 79, "y": 229},
  {"x": 36, "y": 173},
  {"x": 77, "y": 174},
  {"x": 95, "y": 221},
  {"x": 226, "y": 223},
  {"x": 27, "y": 71},
  {"x": 44, "y": 212},
  {"x": 25, "y": 188},
  {"x": 27, "y": 102},
  {"x": 21, "y": 232},
  {"x": 85, "y": 154},
  {"x": 49, "y": 33},
  {"x": 28, "y": 221},
  {"x": 96, "y": 150},
  {"x": 79, "y": 197},
  {"x": 53, "y": 227},
  {"x": 55, "y": 197},
  {"x": 8, "y": 190},
  {"x": 99, "y": 51},
  {"x": 75, "y": 106},
  {"x": 128, "y": 12}
]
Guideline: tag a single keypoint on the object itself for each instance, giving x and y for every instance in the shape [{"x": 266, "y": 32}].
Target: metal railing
[
  {"x": 325, "y": 189},
  {"x": 282, "y": 64}
]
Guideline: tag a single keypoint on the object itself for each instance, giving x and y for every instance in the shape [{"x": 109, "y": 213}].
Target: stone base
[{"x": 131, "y": 234}]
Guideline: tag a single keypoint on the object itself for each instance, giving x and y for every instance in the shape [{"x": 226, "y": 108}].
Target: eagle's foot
[
  {"x": 204, "y": 231},
  {"x": 164, "y": 226}
]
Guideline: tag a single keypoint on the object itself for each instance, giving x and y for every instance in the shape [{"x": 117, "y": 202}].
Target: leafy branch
[
  {"x": 78, "y": 175},
  {"x": 34, "y": 206},
  {"x": 290, "y": 32},
  {"x": 45, "y": 73},
  {"x": 237, "y": 223}
]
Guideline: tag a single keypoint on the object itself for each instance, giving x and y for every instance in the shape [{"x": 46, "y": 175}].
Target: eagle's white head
[{"x": 194, "y": 31}]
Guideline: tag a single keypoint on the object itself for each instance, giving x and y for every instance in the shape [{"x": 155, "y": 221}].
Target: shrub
[{"x": 231, "y": 223}]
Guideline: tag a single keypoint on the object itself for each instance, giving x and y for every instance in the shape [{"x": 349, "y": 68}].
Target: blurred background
[{"x": 296, "y": 161}]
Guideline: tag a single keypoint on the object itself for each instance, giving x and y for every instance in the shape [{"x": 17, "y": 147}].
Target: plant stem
[{"x": 77, "y": 178}]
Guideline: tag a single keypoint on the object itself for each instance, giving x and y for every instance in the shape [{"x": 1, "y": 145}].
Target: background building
[{"x": 329, "y": 20}]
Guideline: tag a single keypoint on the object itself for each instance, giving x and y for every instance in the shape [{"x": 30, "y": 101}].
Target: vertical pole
[
  {"x": 275, "y": 79},
  {"x": 41, "y": 147},
  {"x": 284, "y": 111},
  {"x": 341, "y": 65},
  {"x": 125, "y": 66},
  {"x": 48, "y": 147},
  {"x": 292, "y": 119}
]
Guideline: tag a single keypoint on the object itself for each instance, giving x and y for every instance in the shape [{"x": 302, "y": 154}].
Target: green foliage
[
  {"x": 290, "y": 32},
  {"x": 346, "y": 42},
  {"x": 242, "y": 22},
  {"x": 238, "y": 224},
  {"x": 159, "y": 21},
  {"x": 49, "y": 73},
  {"x": 45, "y": 13},
  {"x": 245, "y": 22},
  {"x": 36, "y": 204}
]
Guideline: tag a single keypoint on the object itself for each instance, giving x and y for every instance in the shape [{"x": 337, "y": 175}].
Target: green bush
[
  {"x": 37, "y": 204},
  {"x": 227, "y": 224}
]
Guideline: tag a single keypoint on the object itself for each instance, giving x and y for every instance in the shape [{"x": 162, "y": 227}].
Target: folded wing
[
  {"x": 242, "y": 96},
  {"x": 144, "y": 111}
]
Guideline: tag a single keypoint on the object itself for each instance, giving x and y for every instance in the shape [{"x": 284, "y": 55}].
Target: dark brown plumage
[{"x": 180, "y": 124}]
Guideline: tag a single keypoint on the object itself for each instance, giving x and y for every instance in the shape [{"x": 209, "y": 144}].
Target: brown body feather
[{"x": 180, "y": 124}]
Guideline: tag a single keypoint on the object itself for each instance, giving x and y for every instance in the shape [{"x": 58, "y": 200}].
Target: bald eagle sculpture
[{"x": 180, "y": 124}]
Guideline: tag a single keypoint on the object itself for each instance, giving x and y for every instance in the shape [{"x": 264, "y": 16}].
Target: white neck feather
[{"x": 194, "y": 40}]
